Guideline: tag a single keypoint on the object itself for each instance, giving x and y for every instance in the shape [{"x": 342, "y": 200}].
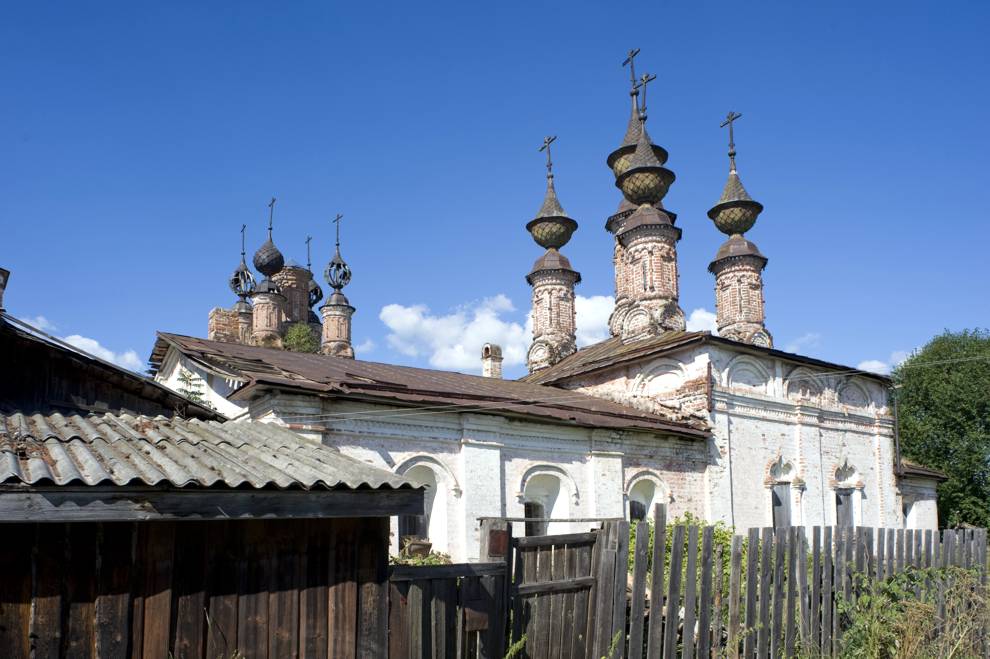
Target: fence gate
[{"x": 558, "y": 587}]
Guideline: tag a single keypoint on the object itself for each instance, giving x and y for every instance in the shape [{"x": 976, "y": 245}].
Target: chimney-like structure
[
  {"x": 738, "y": 265},
  {"x": 645, "y": 252},
  {"x": 491, "y": 361},
  {"x": 337, "y": 311},
  {"x": 268, "y": 318},
  {"x": 293, "y": 280},
  {"x": 553, "y": 280},
  {"x": 234, "y": 325}
]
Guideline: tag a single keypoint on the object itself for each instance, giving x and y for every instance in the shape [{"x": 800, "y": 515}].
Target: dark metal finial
[
  {"x": 547, "y": 141},
  {"x": 309, "y": 262},
  {"x": 271, "y": 215},
  {"x": 243, "y": 229},
  {"x": 634, "y": 90},
  {"x": 336, "y": 221},
  {"x": 646, "y": 79},
  {"x": 729, "y": 119}
]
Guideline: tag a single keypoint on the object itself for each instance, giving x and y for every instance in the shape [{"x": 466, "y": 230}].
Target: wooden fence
[
  {"x": 775, "y": 591},
  {"x": 447, "y": 611}
]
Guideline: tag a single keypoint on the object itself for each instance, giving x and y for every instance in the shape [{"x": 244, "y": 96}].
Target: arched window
[
  {"x": 432, "y": 524},
  {"x": 542, "y": 499},
  {"x": 642, "y": 497},
  {"x": 847, "y": 494},
  {"x": 782, "y": 474}
]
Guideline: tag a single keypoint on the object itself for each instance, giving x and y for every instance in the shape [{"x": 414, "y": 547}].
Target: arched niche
[
  {"x": 547, "y": 491},
  {"x": 664, "y": 375},
  {"x": 441, "y": 488},
  {"x": 803, "y": 385},
  {"x": 747, "y": 374},
  {"x": 852, "y": 394},
  {"x": 643, "y": 492}
]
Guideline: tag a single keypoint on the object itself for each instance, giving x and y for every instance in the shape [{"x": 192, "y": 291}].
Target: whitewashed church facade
[{"x": 724, "y": 427}]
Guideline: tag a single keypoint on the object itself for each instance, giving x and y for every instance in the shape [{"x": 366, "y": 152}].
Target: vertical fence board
[
  {"x": 673, "y": 593},
  {"x": 838, "y": 583},
  {"x": 735, "y": 574},
  {"x": 619, "y": 594},
  {"x": 828, "y": 592},
  {"x": 690, "y": 593},
  {"x": 655, "y": 631},
  {"x": 780, "y": 546},
  {"x": 49, "y": 588},
  {"x": 814, "y": 639},
  {"x": 637, "y": 612},
  {"x": 752, "y": 566},
  {"x": 605, "y": 583},
  {"x": 804, "y": 596},
  {"x": 718, "y": 601},
  {"x": 766, "y": 577},
  {"x": 792, "y": 590},
  {"x": 705, "y": 595}
]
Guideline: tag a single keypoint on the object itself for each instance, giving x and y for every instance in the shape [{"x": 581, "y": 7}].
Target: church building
[{"x": 723, "y": 426}]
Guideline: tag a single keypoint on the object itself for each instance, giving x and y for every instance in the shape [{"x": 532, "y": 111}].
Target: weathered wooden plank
[
  {"x": 790, "y": 625},
  {"x": 542, "y": 621},
  {"x": 398, "y": 620},
  {"x": 690, "y": 593},
  {"x": 804, "y": 595},
  {"x": 705, "y": 602},
  {"x": 283, "y": 600},
  {"x": 139, "y": 573},
  {"x": 515, "y": 580},
  {"x": 899, "y": 559},
  {"x": 48, "y": 589},
  {"x": 815, "y": 626},
  {"x": 528, "y": 606},
  {"x": 567, "y": 569},
  {"x": 781, "y": 546},
  {"x": 619, "y": 593},
  {"x": 655, "y": 632},
  {"x": 869, "y": 560},
  {"x": 839, "y": 580},
  {"x": 252, "y": 601},
  {"x": 420, "y": 627},
  {"x": 850, "y": 549},
  {"x": 444, "y": 619},
  {"x": 113, "y": 599},
  {"x": 909, "y": 548},
  {"x": 718, "y": 602},
  {"x": 881, "y": 553},
  {"x": 891, "y": 562},
  {"x": 641, "y": 556},
  {"x": 492, "y": 641},
  {"x": 767, "y": 545},
  {"x": 673, "y": 593},
  {"x": 15, "y": 590},
  {"x": 828, "y": 591},
  {"x": 189, "y": 597},
  {"x": 343, "y": 595},
  {"x": 372, "y": 590},
  {"x": 555, "y": 586},
  {"x": 735, "y": 577},
  {"x": 554, "y": 540},
  {"x": 414, "y": 572},
  {"x": 158, "y": 556},
  {"x": 752, "y": 567},
  {"x": 314, "y": 604},
  {"x": 582, "y": 599}
]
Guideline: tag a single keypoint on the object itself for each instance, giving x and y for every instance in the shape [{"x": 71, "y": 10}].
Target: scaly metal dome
[
  {"x": 646, "y": 180},
  {"x": 735, "y": 212},
  {"x": 242, "y": 281},
  {"x": 268, "y": 260}
]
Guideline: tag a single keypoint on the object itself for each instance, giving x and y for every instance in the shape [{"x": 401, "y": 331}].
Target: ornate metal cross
[
  {"x": 309, "y": 263},
  {"x": 271, "y": 214},
  {"x": 729, "y": 119},
  {"x": 634, "y": 91},
  {"x": 547, "y": 141},
  {"x": 243, "y": 229},
  {"x": 336, "y": 221},
  {"x": 646, "y": 79}
]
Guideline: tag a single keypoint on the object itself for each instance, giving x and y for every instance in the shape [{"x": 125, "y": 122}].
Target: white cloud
[
  {"x": 128, "y": 359},
  {"x": 592, "y": 318},
  {"x": 454, "y": 340},
  {"x": 365, "y": 346},
  {"x": 884, "y": 367},
  {"x": 40, "y": 322},
  {"x": 702, "y": 320},
  {"x": 804, "y": 342}
]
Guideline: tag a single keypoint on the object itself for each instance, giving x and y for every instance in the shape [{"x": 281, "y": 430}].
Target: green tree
[
  {"x": 943, "y": 397},
  {"x": 300, "y": 337},
  {"x": 190, "y": 386}
]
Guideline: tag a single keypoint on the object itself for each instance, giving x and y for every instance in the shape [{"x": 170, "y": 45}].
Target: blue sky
[{"x": 137, "y": 137}]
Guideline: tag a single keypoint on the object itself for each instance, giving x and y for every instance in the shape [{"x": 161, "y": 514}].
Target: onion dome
[
  {"x": 735, "y": 212},
  {"x": 337, "y": 273},
  {"x": 268, "y": 260},
  {"x": 552, "y": 260},
  {"x": 242, "y": 281},
  {"x": 551, "y": 228},
  {"x": 646, "y": 180},
  {"x": 618, "y": 160}
]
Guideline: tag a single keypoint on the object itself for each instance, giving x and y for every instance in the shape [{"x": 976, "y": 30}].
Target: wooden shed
[{"x": 150, "y": 535}]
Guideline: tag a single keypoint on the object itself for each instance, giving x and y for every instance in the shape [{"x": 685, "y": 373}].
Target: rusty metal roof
[
  {"x": 121, "y": 450},
  {"x": 913, "y": 469},
  {"x": 356, "y": 379}
]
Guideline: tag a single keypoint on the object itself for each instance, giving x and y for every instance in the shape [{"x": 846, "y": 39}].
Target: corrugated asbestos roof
[
  {"x": 109, "y": 449},
  {"x": 413, "y": 386}
]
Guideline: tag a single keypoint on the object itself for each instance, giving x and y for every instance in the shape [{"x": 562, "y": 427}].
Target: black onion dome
[
  {"x": 242, "y": 281},
  {"x": 337, "y": 273},
  {"x": 315, "y": 292},
  {"x": 268, "y": 260}
]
